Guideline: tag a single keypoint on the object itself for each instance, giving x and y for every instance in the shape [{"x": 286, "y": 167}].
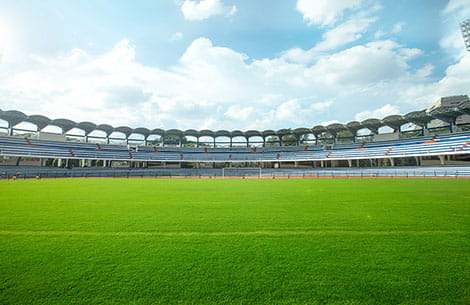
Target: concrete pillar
[
  {"x": 322, "y": 163},
  {"x": 392, "y": 162},
  {"x": 82, "y": 163},
  {"x": 296, "y": 163},
  {"x": 350, "y": 163},
  {"x": 443, "y": 159},
  {"x": 59, "y": 162}
]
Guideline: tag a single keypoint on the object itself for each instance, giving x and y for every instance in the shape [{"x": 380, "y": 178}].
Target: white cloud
[
  {"x": 217, "y": 87},
  {"x": 200, "y": 10},
  {"x": 398, "y": 27},
  {"x": 236, "y": 112},
  {"x": 349, "y": 31},
  {"x": 378, "y": 113},
  {"x": 326, "y": 12},
  {"x": 360, "y": 65},
  {"x": 176, "y": 36}
]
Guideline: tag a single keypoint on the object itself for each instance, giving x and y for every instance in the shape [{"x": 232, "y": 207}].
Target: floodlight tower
[{"x": 465, "y": 27}]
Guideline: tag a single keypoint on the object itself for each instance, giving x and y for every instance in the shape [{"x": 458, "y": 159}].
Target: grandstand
[{"x": 355, "y": 144}]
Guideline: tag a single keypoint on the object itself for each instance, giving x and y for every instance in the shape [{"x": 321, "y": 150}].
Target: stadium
[
  {"x": 331, "y": 165},
  {"x": 334, "y": 146}
]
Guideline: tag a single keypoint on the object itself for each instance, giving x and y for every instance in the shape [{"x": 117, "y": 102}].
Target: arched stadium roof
[
  {"x": 395, "y": 121},
  {"x": 39, "y": 120},
  {"x": 65, "y": 124},
  {"x": 87, "y": 127},
  {"x": 354, "y": 126},
  {"x": 446, "y": 113},
  {"x": 108, "y": 129},
  {"x": 421, "y": 118},
  {"x": 335, "y": 128},
  {"x": 13, "y": 117},
  {"x": 127, "y": 131}
]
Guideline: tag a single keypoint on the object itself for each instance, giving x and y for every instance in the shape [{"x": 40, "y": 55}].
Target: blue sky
[{"x": 227, "y": 64}]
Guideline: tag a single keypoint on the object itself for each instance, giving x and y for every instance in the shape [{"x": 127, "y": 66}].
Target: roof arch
[
  {"x": 420, "y": 118},
  {"x": 142, "y": 131},
  {"x": 206, "y": 133},
  {"x": 108, "y": 129},
  {"x": 222, "y": 133},
  {"x": 158, "y": 132},
  {"x": 65, "y": 124},
  {"x": 126, "y": 130},
  {"x": 373, "y": 125},
  {"x": 191, "y": 133},
  {"x": 395, "y": 121},
  {"x": 237, "y": 133},
  {"x": 88, "y": 127},
  {"x": 317, "y": 130},
  {"x": 174, "y": 132},
  {"x": 354, "y": 126},
  {"x": 13, "y": 117},
  {"x": 253, "y": 133},
  {"x": 39, "y": 120}
]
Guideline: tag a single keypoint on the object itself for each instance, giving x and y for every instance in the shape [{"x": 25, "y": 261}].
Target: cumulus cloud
[
  {"x": 200, "y": 10},
  {"x": 217, "y": 87},
  {"x": 342, "y": 34},
  {"x": 326, "y": 12},
  {"x": 378, "y": 113}
]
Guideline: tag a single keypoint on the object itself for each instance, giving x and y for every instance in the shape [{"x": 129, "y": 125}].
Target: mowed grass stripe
[
  {"x": 152, "y": 241},
  {"x": 240, "y": 233}
]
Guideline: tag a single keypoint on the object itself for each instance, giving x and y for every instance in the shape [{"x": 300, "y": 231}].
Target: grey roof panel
[
  {"x": 268, "y": 132},
  {"x": 207, "y": 133},
  {"x": 252, "y": 133},
  {"x": 126, "y": 130},
  {"x": 174, "y": 132},
  {"x": 354, "y": 126},
  {"x": 191, "y": 132},
  {"x": 395, "y": 121},
  {"x": 237, "y": 133},
  {"x": 317, "y": 130},
  {"x": 88, "y": 127},
  {"x": 142, "y": 130},
  {"x": 335, "y": 128},
  {"x": 65, "y": 124},
  {"x": 108, "y": 129},
  {"x": 419, "y": 118},
  {"x": 158, "y": 131},
  {"x": 13, "y": 117},
  {"x": 39, "y": 120},
  {"x": 446, "y": 113},
  {"x": 222, "y": 133}
]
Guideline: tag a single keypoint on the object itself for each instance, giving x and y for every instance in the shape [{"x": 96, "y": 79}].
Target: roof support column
[
  {"x": 231, "y": 141},
  {"x": 214, "y": 141}
]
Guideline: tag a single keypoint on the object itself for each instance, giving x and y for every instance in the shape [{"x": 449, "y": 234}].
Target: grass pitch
[{"x": 158, "y": 241}]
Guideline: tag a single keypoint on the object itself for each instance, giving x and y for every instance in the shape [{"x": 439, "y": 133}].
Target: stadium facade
[{"x": 334, "y": 145}]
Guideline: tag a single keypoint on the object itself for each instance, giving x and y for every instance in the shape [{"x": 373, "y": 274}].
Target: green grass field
[{"x": 159, "y": 241}]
